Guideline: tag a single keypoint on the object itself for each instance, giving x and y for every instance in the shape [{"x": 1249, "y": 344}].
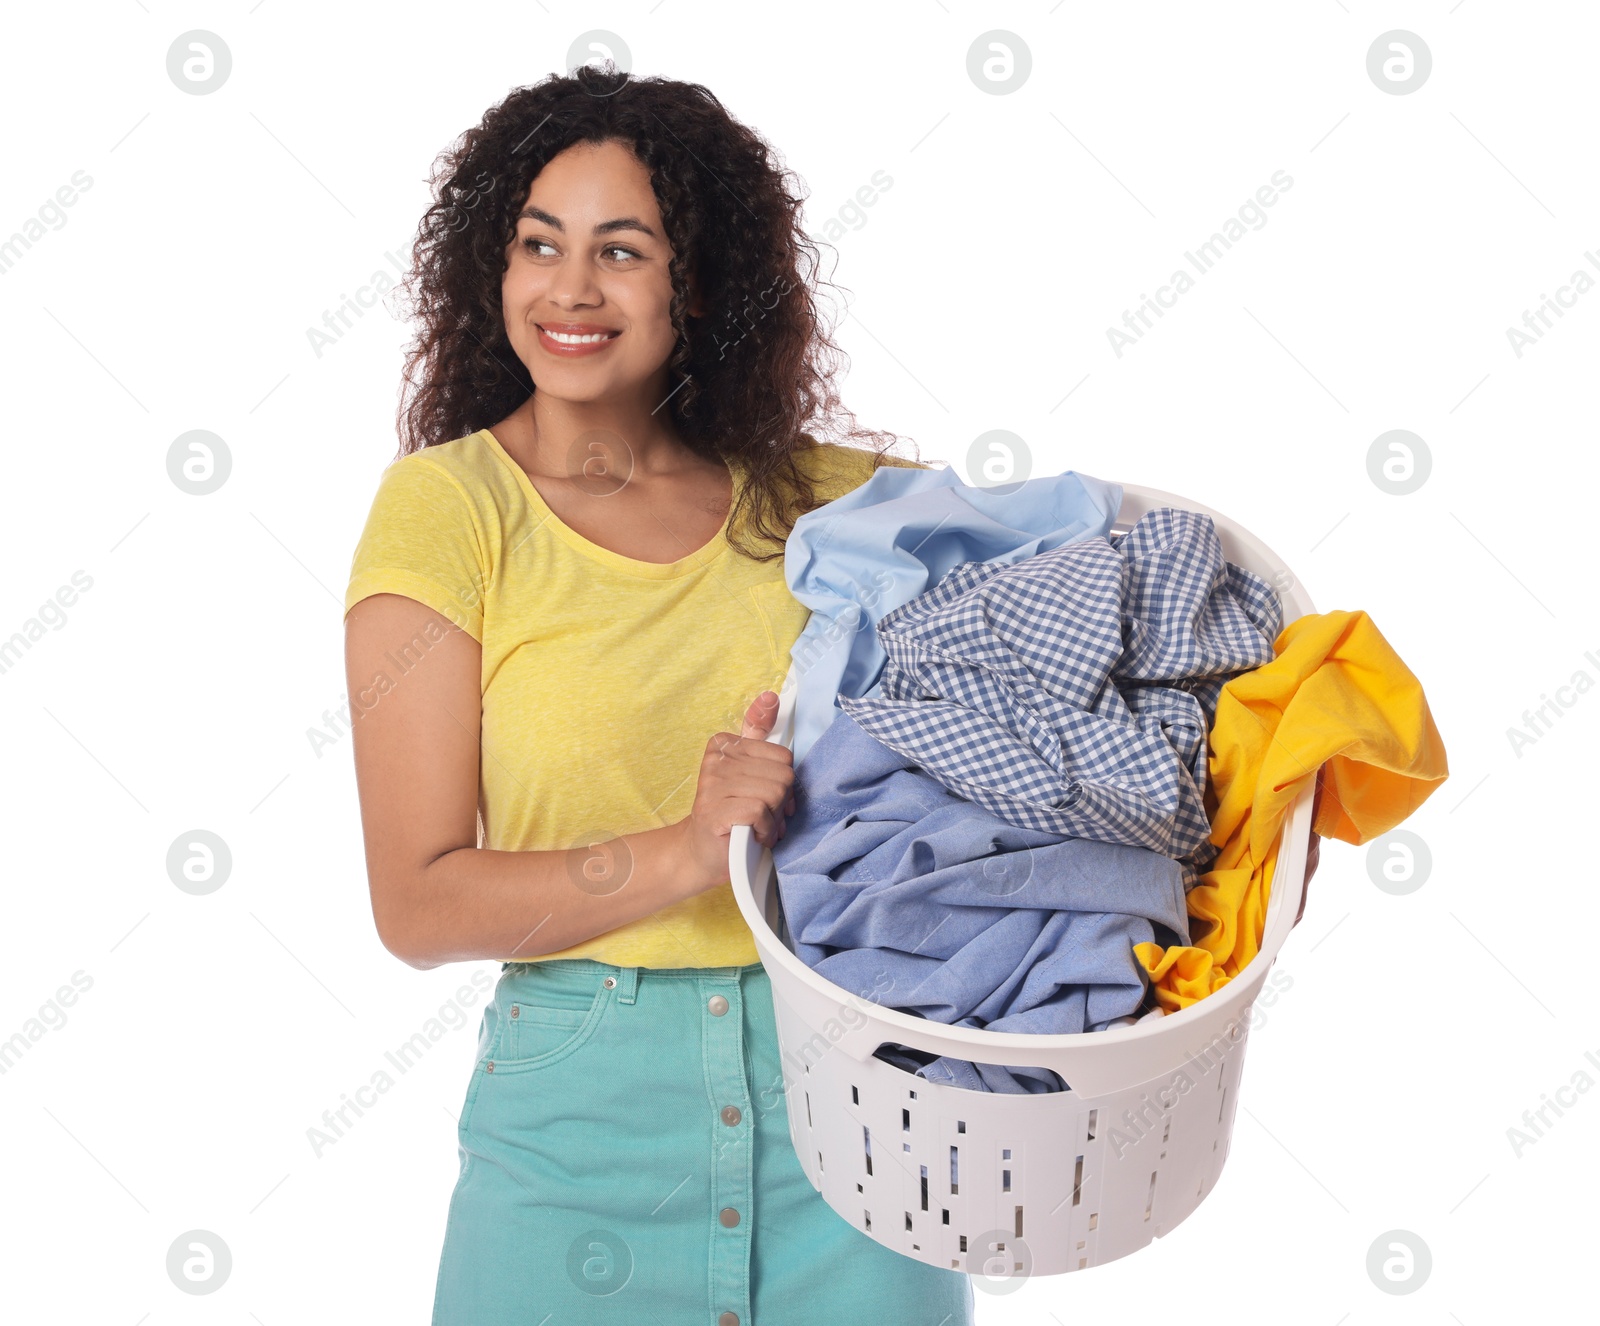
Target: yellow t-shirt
[{"x": 603, "y": 676}]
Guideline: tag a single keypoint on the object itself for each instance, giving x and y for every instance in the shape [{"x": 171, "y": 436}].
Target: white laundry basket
[{"x": 1006, "y": 1185}]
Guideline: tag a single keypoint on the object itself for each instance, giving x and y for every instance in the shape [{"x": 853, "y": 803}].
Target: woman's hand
[{"x": 744, "y": 779}]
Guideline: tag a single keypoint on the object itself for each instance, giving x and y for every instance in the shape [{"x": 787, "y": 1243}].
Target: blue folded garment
[
  {"x": 1071, "y": 692},
  {"x": 900, "y": 891},
  {"x": 879, "y": 546}
]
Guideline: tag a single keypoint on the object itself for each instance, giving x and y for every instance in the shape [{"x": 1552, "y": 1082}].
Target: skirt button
[{"x": 717, "y": 1004}]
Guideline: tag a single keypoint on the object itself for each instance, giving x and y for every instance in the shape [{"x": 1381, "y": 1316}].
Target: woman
[{"x": 566, "y": 623}]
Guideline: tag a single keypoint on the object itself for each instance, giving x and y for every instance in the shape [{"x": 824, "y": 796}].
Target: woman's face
[{"x": 590, "y": 258}]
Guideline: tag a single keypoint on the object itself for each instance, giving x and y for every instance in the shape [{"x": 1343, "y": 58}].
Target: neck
[{"x": 561, "y": 436}]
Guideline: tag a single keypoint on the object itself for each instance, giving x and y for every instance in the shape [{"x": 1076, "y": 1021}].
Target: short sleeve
[{"x": 422, "y": 540}]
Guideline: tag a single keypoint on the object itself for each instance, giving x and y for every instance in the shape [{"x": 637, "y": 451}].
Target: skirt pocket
[{"x": 548, "y": 1015}]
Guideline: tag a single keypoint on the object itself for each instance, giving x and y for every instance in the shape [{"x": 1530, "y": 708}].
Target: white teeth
[{"x": 564, "y": 339}]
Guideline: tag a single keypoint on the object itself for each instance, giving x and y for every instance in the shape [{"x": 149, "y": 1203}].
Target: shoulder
[
  {"x": 449, "y": 491},
  {"x": 834, "y": 469},
  {"x": 460, "y": 481},
  {"x": 465, "y": 463}
]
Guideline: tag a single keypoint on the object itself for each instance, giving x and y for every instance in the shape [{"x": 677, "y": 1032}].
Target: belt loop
[{"x": 627, "y": 984}]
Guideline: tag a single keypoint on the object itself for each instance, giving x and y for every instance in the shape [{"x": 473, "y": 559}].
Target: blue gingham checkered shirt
[{"x": 1072, "y": 691}]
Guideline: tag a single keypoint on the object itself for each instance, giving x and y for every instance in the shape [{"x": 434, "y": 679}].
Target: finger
[
  {"x": 749, "y": 745},
  {"x": 762, "y": 812},
  {"x": 765, "y": 829},
  {"x": 759, "y": 748},
  {"x": 775, "y": 828},
  {"x": 752, "y": 811},
  {"x": 759, "y": 717},
  {"x": 744, "y": 770}
]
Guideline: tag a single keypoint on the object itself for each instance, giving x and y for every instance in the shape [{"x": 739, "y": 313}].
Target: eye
[{"x": 533, "y": 244}]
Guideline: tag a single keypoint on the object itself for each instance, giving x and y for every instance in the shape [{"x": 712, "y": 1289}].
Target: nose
[{"x": 573, "y": 283}]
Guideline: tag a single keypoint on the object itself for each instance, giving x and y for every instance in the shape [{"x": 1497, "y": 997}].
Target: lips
[{"x": 564, "y": 332}]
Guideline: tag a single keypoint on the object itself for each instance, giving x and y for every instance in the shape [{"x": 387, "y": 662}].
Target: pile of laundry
[{"x": 1042, "y": 793}]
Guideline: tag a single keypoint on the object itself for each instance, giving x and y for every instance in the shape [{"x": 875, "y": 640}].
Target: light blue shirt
[{"x": 861, "y": 556}]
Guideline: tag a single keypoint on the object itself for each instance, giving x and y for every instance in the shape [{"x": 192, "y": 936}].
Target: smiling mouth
[{"x": 580, "y": 338}]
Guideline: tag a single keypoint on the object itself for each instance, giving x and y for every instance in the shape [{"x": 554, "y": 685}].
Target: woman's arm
[{"x": 436, "y": 896}]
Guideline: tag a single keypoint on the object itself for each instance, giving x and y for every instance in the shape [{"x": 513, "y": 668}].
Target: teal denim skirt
[{"x": 625, "y": 1157}]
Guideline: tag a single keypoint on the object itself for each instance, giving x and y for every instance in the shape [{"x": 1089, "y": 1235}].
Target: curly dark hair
[{"x": 755, "y": 373}]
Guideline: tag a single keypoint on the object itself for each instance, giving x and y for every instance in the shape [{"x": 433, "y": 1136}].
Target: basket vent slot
[
  {"x": 866, "y": 1143},
  {"x": 955, "y": 1173},
  {"x": 1077, "y": 1182}
]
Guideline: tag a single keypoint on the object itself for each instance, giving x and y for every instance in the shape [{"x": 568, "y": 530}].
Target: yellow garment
[
  {"x": 603, "y": 676},
  {"x": 1336, "y": 694}
]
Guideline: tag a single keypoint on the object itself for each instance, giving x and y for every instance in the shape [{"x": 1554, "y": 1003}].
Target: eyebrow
[{"x": 604, "y": 228}]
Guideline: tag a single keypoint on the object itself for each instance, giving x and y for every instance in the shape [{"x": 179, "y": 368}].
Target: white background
[{"x": 181, "y": 691}]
